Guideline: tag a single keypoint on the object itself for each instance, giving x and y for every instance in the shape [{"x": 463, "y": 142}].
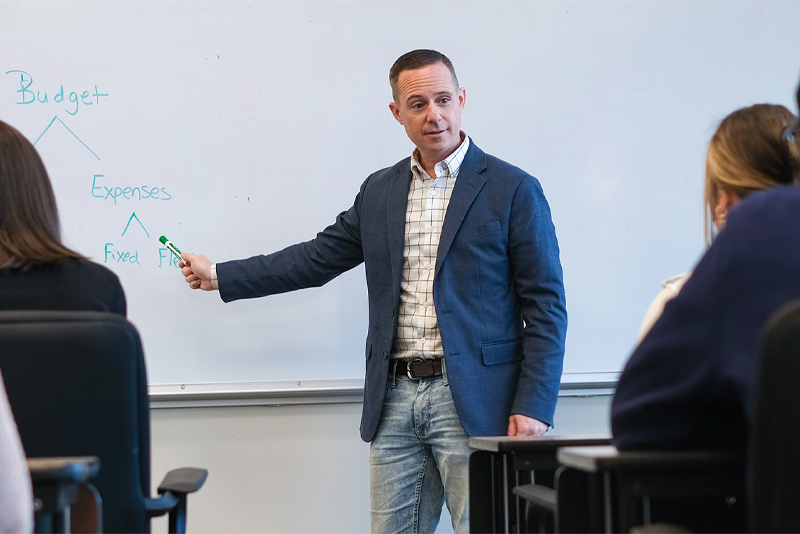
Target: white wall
[{"x": 293, "y": 468}]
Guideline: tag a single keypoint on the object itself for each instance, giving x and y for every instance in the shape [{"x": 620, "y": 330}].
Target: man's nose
[{"x": 434, "y": 113}]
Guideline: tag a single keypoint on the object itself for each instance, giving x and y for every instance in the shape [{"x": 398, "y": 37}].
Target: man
[{"x": 466, "y": 302}]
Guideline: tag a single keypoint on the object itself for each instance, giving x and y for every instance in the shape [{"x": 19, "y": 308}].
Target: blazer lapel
[
  {"x": 396, "y": 205},
  {"x": 468, "y": 184}
]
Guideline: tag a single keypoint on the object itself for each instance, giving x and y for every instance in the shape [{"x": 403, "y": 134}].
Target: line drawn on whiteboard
[
  {"x": 70, "y": 131},
  {"x": 133, "y": 216}
]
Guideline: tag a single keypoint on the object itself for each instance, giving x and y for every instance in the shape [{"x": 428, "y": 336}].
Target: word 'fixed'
[{"x": 120, "y": 256}]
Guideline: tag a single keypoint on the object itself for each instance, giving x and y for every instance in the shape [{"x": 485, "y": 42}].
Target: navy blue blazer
[
  {"x": 690, "y": 382},
  {"x": 498, "y": 288}
]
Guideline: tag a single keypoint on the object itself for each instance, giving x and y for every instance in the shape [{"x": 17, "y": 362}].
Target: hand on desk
[
  {"x": 519, "y": 425},
  {"x": 197, "y": 270}
]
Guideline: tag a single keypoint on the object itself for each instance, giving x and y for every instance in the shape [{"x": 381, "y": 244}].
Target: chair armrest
[
  {"x": 177, "y": 484},
  {"x": 183, "y": 480}
]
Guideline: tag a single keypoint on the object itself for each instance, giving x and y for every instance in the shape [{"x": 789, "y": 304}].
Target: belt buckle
[{"x": 408, "y": 368}]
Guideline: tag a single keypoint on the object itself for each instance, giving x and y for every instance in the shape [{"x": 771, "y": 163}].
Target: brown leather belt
[{"x": 417, "y": 369}]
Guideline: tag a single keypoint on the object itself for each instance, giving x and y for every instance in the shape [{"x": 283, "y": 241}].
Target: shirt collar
[{"x": 449, "y": 166}]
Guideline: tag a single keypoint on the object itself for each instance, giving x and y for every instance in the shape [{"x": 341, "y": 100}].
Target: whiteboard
[{"x": 238, "y": 128}]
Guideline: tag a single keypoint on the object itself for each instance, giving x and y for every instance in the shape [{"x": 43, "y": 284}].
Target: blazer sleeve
[
  {"x": 538, "y": 280},
  {"x": 311, "y": 264}
]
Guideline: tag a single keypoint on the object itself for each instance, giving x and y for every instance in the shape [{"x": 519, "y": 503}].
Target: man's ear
[{"x": 395, "y": 111}]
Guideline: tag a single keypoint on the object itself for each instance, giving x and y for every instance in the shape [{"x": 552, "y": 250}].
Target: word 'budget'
[{"x": 30, "y": 95}]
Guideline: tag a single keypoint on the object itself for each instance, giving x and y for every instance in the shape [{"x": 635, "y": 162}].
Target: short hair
[
  {"x": 417, "y": 59},
  {"x": 30, "y": 233},
  {"x": 747, "y": 154}
]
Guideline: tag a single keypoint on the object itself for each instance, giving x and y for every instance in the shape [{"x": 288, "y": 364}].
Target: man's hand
[
  {"x": 197, "y": 270},
  {"x": 519, "y": 425}
]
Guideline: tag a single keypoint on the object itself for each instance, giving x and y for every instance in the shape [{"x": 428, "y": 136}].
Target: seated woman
[
  {"x": 37, "y": 272},
  {"x": 690, "y": 382},
  {"x": 733, "y": 171}
]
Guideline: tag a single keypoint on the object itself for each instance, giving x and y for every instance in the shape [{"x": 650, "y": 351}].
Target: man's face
[{"x": 429, "y": 106}]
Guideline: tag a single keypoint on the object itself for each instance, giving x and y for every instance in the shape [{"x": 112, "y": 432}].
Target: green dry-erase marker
[{"x": 167, "y": 243}]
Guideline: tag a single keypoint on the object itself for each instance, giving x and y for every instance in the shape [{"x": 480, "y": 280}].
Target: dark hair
[
  {"x": 748, "y": 154},
  {"x": 417, "y": 59},
  {"x": 30, "y": 233}
]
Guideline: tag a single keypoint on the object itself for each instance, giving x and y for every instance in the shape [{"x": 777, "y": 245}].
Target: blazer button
[{"x": 386, "y": 355}]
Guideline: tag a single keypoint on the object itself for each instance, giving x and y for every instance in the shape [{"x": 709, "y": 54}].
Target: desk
[
  {"x": 56, "y": 486},
  {"x": 618, "y": 486},
  {"x": 498, "y": 464}
]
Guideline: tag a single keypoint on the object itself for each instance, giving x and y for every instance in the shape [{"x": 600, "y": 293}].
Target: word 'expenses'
[
  {"x": 29, "y": 95},
  {"x": 129, "y": 193}
]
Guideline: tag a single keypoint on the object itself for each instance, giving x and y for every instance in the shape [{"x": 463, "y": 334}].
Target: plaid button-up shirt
[{"x": 417, "y": 327}]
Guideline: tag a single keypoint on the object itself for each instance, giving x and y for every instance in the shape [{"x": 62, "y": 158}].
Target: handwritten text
[
  {"x": 129, "y": 193},
  {"x": 27, "y": 94}
]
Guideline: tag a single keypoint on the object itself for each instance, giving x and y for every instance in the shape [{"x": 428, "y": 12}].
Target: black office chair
[
  {"x": 77, "y": 385},
  {"x": 774, "y": 455}
]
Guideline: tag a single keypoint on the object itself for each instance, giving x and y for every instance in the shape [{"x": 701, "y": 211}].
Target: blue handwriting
[
  {"x": 120, "y": 256},
  {"x": 165, "y": 253},
  {"x": 28, "y": 96},
  {"x": 128, "y": 193}
]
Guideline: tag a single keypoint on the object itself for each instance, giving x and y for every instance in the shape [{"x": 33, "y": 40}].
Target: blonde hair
[
  {"x": 29, "y": 228},
  {"x": 747, "y": 154}
]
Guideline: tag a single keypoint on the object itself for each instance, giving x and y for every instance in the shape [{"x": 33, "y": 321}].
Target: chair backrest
[
  {"x": 774, "y": 451},
  {"x": 77, "y": 385}
]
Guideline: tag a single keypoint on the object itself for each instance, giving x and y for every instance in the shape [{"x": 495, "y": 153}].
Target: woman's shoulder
[
  {"x": 85, "y": 267},
  {"x": 98, "y": 280},
  {"x": 669, "y": 290},
  {"x": 672, "y": 286},
  {"x": 73, "y": 284}
]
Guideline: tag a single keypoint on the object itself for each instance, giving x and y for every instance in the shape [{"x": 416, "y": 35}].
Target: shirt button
[{"x": 432, "y": 193}]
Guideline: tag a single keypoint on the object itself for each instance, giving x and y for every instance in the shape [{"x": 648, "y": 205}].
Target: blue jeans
[{"x": 418, "y": 459}]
